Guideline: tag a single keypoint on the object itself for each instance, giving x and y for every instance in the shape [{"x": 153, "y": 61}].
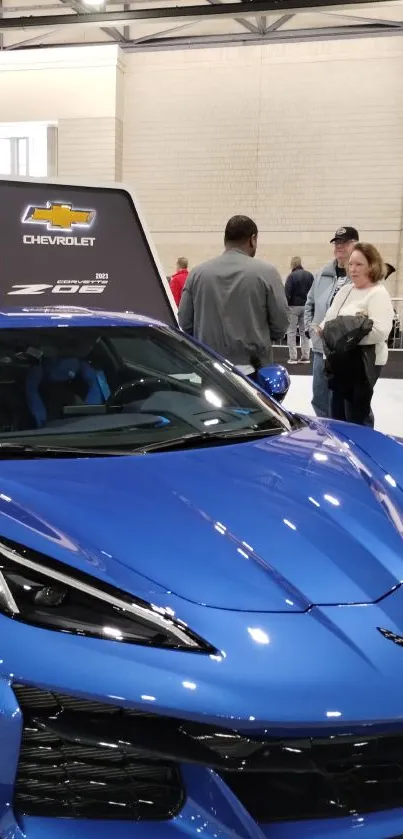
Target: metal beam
[
  {"x": 1, "y": 34},
  {"x": 27, "y": 42},
  {"x": 278, "y": 23},
  {"x": 54, "y": 7},
  {"x": 126, "y": 29},
  {"x": 231, "y": 9},
  {"x": 245, "y": 38},
  {"x": 264, "y": 29},
  {"x": 114, "y": 34},
  {"x": 245, "y": 23},
  {"x": 278, "y": 36},
  {"x": 357, "y": 18},
  {"x": 262, "y": 24},
  {"x": 50, "y": 7},
  {"x": 111, "y": 31},
  {"x": 162, "y": 33}
]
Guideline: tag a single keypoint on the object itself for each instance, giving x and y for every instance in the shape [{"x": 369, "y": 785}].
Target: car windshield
[{"x": 122, "y": 388}]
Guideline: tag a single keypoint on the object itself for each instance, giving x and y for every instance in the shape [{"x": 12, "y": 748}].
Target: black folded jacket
[{"x": 344, "y": 333}]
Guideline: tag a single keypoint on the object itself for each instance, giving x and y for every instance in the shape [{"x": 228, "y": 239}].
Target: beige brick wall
[
  {"x": 304, "y": 137},
  {"x": 64, "y": 83},
  {"x": 90, "y": 149},
  {"x": 80, "y": 89},
  {"x": 118, "y": 149}
]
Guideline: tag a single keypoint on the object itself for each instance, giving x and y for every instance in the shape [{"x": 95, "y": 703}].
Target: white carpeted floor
[{"x": 387, "y": 402}]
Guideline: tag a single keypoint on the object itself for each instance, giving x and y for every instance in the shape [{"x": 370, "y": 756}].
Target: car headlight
[{"x": 37, "y": 590}]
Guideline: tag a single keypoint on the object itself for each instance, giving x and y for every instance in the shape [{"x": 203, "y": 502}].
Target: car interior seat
[
  {"x": 14, "y": 415},
  {"x": 55, "y": 383}
]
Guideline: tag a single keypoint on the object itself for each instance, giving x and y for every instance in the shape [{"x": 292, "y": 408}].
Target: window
[
  {"x": 5, "y": 156},
  {"x": 28, "y": 149},
  {"x": 20, "y": 155}
]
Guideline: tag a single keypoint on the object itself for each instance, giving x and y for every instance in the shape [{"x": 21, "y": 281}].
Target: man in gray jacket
[
  {"x": 328, "y": 281},
  {"x": 236, "y": 304}
]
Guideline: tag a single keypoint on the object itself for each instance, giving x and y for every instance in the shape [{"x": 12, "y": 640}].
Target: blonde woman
[{"x": 353, "y": 384}]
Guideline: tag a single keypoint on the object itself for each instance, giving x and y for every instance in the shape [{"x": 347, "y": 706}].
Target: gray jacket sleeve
[
  {"x": 278, "y": 316},
  {"x": 310, "y": 305},
  {"x": 186, "y": 310}
]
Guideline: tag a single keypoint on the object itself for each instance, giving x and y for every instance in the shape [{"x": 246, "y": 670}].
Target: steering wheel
[{"x": 124, "y": 393}]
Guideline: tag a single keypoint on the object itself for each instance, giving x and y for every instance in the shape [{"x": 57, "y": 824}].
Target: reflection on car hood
[{"x": 270, "y": 525}]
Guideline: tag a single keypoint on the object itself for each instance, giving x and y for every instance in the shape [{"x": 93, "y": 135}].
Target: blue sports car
[{"x": 201, "y": 598}]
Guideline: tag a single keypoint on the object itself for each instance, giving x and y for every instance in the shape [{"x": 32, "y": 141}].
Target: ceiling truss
[
  {"x": 254, "y": 17},
  {"x": 214, "y": 9},
  {"x": 81, "y": 9},
  {"x": 246, "y": 24},
  {"x": 296, "y": 35}
]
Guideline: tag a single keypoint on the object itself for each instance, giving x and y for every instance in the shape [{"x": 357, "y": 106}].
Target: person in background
[
  {"x": 390, "y": 269},
  {"x": 366, "y": 294},
  {"x": 234, "y": 303},
  {"x": 297, "y": 286},
  {"x": 178, "y": 279},
  {"x": 327, "y": 283},
  {"x": 394, "y": 340}
]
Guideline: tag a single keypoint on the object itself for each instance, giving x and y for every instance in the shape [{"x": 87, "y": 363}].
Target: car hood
[{"x": 273, "y": 525}]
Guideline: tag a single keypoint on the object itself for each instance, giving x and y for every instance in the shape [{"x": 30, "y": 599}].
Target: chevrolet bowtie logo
[{"x": 57, "y": 216}]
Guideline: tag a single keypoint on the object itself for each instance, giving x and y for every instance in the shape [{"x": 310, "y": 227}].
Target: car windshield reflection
[{"x": 121, "y": 386}]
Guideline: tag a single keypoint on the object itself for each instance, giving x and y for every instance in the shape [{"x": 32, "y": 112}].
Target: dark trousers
[
  {"x": 357, "y": 408},
  {"x": 320, "y": 387}
]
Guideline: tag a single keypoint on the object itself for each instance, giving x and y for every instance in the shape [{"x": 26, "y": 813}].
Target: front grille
[
  {"x": 58, "y": 777},
  {"x": 88, "y": 759},
  {"x": 324, "y": 778}
]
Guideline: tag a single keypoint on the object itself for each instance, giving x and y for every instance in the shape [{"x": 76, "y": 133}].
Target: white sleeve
[
  {"x": 335, "y": 309},
  {"x": 380, "y": 310}
]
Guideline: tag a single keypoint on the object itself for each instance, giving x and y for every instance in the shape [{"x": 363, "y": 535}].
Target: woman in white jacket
[{"x": 366, "y": 294}]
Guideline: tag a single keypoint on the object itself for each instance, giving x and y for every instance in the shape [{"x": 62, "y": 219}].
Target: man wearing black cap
[{"x": 327, "y": 283}]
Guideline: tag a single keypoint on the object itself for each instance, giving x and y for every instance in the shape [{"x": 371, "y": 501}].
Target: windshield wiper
[
  {"x": 30, "y": 451},
  {"x": 208, "y": 438},
  {"x": 27, "y": 451}
]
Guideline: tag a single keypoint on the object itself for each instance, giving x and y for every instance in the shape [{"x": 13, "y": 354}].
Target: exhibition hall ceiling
[{"x": 166, "y": 24}]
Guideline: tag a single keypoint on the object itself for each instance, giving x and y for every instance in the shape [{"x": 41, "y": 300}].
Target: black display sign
[{"x": 77, "y": 246}]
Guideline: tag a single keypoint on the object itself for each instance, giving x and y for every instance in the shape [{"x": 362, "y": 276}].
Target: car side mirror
[{"x": 275, "y": 380}]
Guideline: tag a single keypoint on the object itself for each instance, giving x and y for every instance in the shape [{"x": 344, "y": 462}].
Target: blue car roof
[{"x": 20, "y": 318}]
